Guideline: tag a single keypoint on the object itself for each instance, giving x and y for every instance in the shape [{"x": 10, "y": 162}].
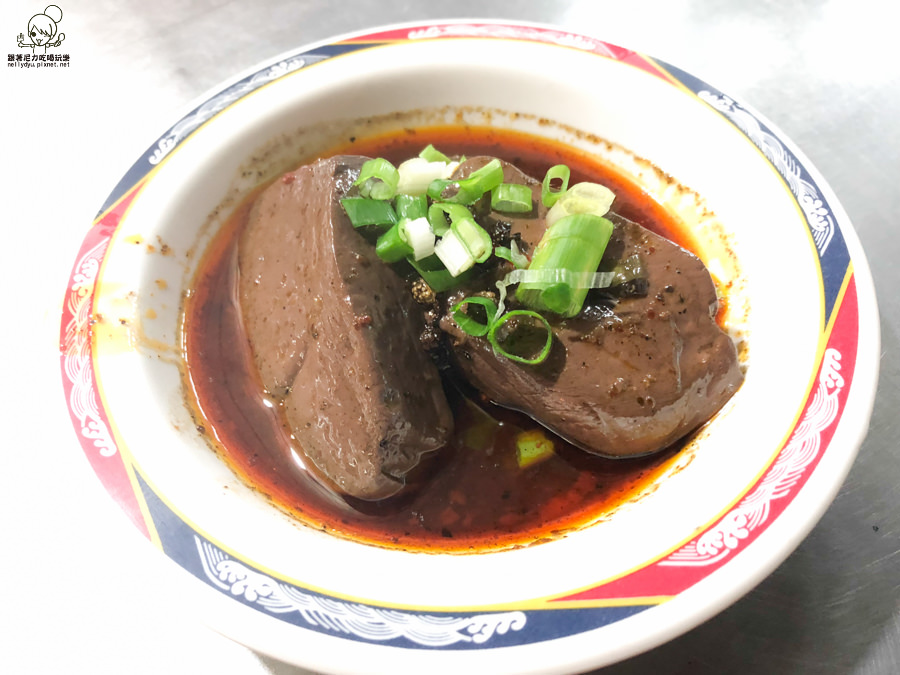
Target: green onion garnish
[
  {"x": 417, "y": 173},
  {"x": 454, "y": 253},
  {"x": 362, "y": 211},
  {"x": 625, "y": 271},
  {"x": 432, "y": 154},
  {"x": 464, "y": 245},
  {"x": 484, "y": 179},
  {"x": 532, "y": 447},
  {"x": 468, "y": 190},
  {"x": 391, "y": 246},
  {"x": 441, "y": 215},
  {"x": 575, "y": 243},
  {"x": 378, "y": 179},
  {"x": 512, "y": 254},
  {"x": 549, "y": 193},
  {"x": 469, "y": 324},
  {"x": 501, "y": 348},
  {"x": 511, "y": 198},
  {"x": 411, "y": 207},
  {"x": 435, "y": 230},
  {"x": 432, "y": 270},
  {"x": 474, "y": 237},
  {"x": 449, "y": 191},
  {"x": 419, "y": 235},
  {"x": 508, "y": 345},
  {"x": 582, "y": 198}
]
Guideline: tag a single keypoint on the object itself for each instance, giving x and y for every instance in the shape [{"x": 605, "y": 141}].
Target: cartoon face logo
[{"x": 43, "y": 30}]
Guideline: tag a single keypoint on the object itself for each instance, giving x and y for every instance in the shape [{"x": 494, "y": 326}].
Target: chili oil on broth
[{"x": 470, "y": 496}]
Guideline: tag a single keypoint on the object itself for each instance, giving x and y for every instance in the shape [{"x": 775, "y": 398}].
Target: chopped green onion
[
  {"x": 502, "y": 285},
  {"x": 465, "y": 244},
  {"x": 432, "y": 270},
  {"x": 582, "y": 198},
  {"x": 417, "y": 233},
  {"x": 629, "y": 270},
  {"x": 362, "y": 211},
  {"x": 446, "y": 190},
  {"x": 391, "y": 246},
  {"x": 484, "y": 179},
  {"x": 518, "y": 258},
  {"x": 474, "y": 237},
  {"x": 575, "y": 243},
  {"x": 416, "y": 174},
  {"x": 512, "y": 254},
  {"x": 438, "y": 216},
  {"x": 468, "y": 190},
  {"x": 511, "y": 198},
  {"x": 378, "y": 179},
  {"x": 432, "y": 154},
  {"x": 549, "y": 193},
  {"x": 551, "y": 276},
  {"x": 501, "y": 349},
  {"x": 532, "y": 447},
  {"x": 504, "y": 253},
  {"x": 454, "y": 253},
  {"x": 411, "y": 206},
  {"x": 469, "y": 324}
]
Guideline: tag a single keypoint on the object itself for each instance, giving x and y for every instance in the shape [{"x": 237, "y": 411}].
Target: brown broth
[{"x": 471, "y": 496}]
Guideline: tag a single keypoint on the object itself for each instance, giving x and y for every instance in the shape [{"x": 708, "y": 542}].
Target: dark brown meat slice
[
  {"x": 335, "y": 336},
  {"x": 629, "y": 375}
]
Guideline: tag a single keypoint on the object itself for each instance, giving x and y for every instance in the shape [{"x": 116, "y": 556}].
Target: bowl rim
[{"x": 852, "y": 322}]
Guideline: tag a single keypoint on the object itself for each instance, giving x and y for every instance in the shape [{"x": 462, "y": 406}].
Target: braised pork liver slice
[
  {"x": 629, "y": 375},
  {"x": 335, "y": 335}
]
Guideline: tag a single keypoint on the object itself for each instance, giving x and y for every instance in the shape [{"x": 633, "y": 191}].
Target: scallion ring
[
  {"x": 454, "y": 253},
  {"x": 590, "y": 198},
  {"x": 550, "y": 193},
  {"x": 512, "y": 254},
  {"x": 435, "y": 274},
  {"x": 576, "y": 244},
  {"x": 502, "y": 351},
  {"x": 432, "y": 154},
  {"x": 474, "y": 237},
  {"x": 469, "y": 324},
  {"x": 391, "y": 246},
  {"x": 377, "y": 179},
  {"x": 444, "y": 190},
  {"x": 442, "y": 214},
  {"x": 484, "y": 179},
  {"x": 418, "y": 235},
  {"x": 416, "y": 174},
  {"x": 511, "y": 198},
  {"x": 468, "y": 190},
  {"x": 411, "y": 206},
  {"x": 362, "y": 211}
]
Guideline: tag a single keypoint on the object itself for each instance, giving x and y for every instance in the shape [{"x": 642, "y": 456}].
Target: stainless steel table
[{"x": 80, "y": 591}]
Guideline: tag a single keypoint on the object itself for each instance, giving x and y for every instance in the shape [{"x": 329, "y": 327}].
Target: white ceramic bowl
[{"x": 726, "y": 511}]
